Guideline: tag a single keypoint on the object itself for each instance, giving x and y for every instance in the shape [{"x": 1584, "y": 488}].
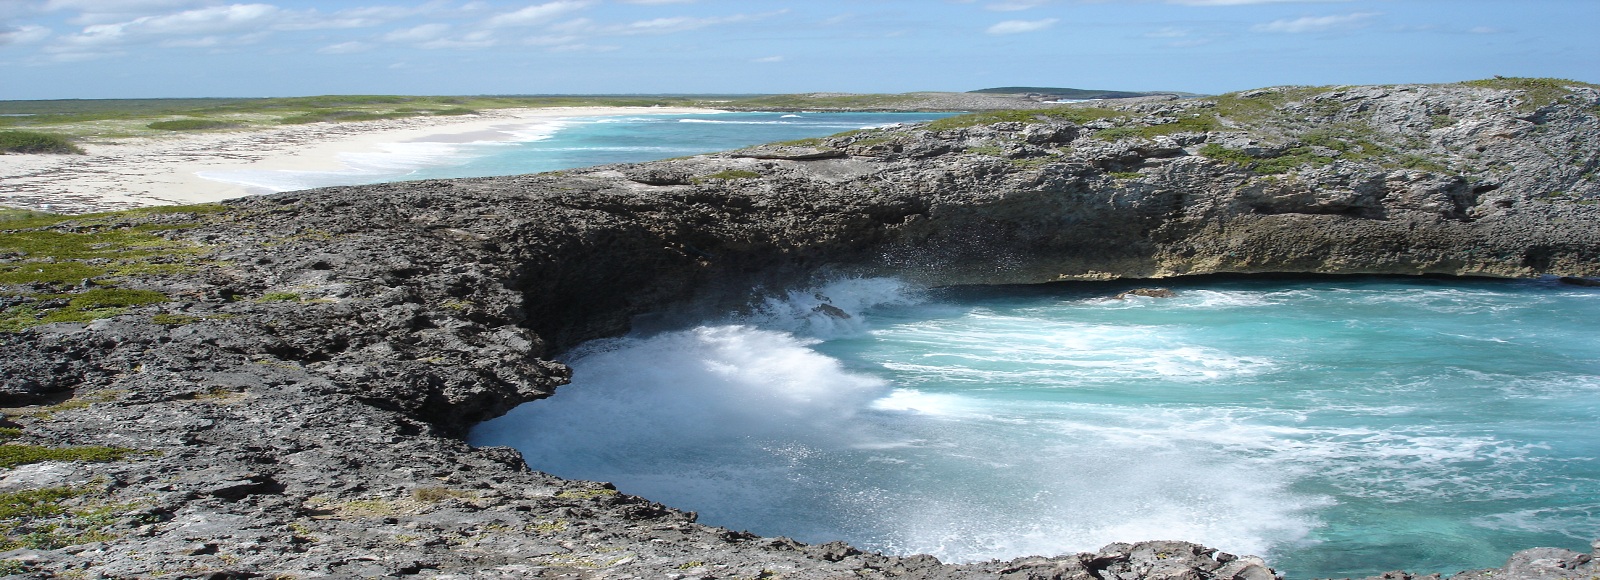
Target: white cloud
[
  {"x": 536, "y": 14},
  {"x": 26, "y": 34},
  {"x": 1245, "y": 2},
  {"x": 666, "y": 25},
  {"x": 584, "y": 48},
  {"x": 109, "y": 11},
  {"x": 351, "y": 47},
  {"x": 1485, "y": 30},
  {"x": 1317, "y": 23},
  {"x": 1015, "y": 5},
  {"x": 768, "y": 59},
  {"x": 470, "y": 40},
  {"x": 1021, "y": 26},
  {"x": 1168, "y": 32},
  {"x": 421, "y": 33},
  {"x": 653, "y": 2}
]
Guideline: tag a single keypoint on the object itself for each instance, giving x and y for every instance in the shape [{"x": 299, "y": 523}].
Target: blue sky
[{"x": 201, "y": 48}]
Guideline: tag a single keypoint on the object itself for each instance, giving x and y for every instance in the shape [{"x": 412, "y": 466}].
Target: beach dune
[{"x": 174, "y": 169}]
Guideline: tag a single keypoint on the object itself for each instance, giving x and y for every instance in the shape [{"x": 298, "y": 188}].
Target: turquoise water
[
  {"x": 1338, "y": 426},
  {"x": 584, "y": 142},
  {"x": 566, "y": 143}
]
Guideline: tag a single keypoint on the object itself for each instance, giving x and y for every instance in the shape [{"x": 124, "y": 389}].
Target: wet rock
[{"x": 1146, "y": 292}]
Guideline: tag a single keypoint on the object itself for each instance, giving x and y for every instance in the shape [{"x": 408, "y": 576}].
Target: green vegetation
[
  {"x": 586, "y": 493},
  {"x": 35, "y": 142},
  {"x": 438, "y": 494},
  {"x": 9, "y": 433},
  {"x": 12, "y": 454},
  {"x": 175, "y": 319},
  {"x": 55, "y": 517},
  {"x": 1290, "y": 160},
  {"x": 1263, "y": 105},
  {"x": 1125, "y": 175},
  {"x": 66, "y": 268},
  {"x": 1078, "y": 115},
  {"x": 138, "y": 117},
  {"x": 48, "y": 412},
  {"x": 733, "y": 174},
  {"x": 279, "y": 297},
  {"x": 1537, "y": 93},
  {"x": 1317, "y": 147},
  {"x": 335, "y": 116},
  {"x": 85, "y": 306},
  {"x": 807, "y": 142},
  {"x": 192, "y": 125},
  {"x": 1065, "y": 93},
  {"x": 1197, "y": 123},
  {"x": 820, "y": 101}
]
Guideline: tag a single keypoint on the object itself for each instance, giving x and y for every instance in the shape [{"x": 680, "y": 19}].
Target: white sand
[{"x": 165, "y": 170}]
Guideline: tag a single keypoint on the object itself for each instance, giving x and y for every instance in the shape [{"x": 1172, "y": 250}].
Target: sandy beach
[{"x": 167, "y": 170}]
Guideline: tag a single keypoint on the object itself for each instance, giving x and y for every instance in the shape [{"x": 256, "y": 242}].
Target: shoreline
[{"x": 167, "y": 170}]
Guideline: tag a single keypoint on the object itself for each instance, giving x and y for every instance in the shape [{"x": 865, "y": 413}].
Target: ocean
[
  {"x": 566, "y": 143},
  {"x": 1337, "y": 426}
]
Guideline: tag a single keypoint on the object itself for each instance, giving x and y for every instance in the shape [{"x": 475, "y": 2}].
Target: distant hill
[{"x": 1062, "y": 93}]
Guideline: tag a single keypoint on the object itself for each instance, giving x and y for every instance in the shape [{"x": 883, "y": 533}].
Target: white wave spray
[{"x": 753, "y": 426}]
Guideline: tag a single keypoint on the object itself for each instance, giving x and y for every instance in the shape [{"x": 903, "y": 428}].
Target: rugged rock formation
[{"x": 280, "y": 388}]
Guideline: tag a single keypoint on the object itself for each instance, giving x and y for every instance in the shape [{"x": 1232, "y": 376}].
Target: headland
[{"x": 278, "y": 385}]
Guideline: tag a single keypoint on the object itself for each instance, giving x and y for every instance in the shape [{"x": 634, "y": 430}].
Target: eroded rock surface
[{"x": 295, "y": 406}]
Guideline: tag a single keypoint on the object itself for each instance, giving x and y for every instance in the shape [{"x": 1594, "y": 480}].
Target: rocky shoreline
[{"x": 278, "y": 386}]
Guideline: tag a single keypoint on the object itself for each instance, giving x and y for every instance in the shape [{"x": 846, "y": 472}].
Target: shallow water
[
  {"x": 1338, "y": 426},
  {"x": 568, "y": 143}
]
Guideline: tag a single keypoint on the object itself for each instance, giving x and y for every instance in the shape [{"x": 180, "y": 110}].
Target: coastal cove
[
  {"x": 286, "y": 384},
  {"x": 178, "y": 168},
  {"x": 1339, "y": 427}
]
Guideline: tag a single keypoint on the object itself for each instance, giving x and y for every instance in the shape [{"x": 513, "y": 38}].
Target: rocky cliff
[{"x": 278, "y": 385}]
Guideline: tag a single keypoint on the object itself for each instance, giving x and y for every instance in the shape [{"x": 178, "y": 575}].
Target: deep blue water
[{"x": 1338, "y": 426}]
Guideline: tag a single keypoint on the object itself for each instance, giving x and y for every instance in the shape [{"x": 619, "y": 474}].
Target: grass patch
[
  {"x": 1347, "y": 142},
  {"x": 12, "y": 454},
  {"x": 56, "y": 517},
  {"x": 85, "y": 306},
  {"x": 1198, "y": 123},
  {"x": 437, "y": 494},
  {"x": 1079, "y": 115},
  {"x": 175, "y": 319},
  {"x": 1537, "y": 93},
  {"x": 73, "y": 264},
  {"x": 279, "y": 297},
  {"x": 340, "y": 116},
  {"x": 36, "y": 142},
  {"x": 1264, "y": 104},
  {"x": 191, "y": 125},
  {"x": 807, "y": 142},
  {"x": 586, "y": 493},
  {"x": 1124, "y": 175},
  {"x": 1295, "y": 157},
  {"x": 733, "y": 174}
]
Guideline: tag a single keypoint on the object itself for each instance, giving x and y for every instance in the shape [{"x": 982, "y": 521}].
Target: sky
[{"x": 60, "y": 49}]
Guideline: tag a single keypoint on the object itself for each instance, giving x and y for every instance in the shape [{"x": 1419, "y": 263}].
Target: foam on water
[
  {"x": 1338, "y": 427},
  {"x": 555, "y": 144}
]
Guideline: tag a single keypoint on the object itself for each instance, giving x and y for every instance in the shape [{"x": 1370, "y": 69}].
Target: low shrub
[
  {"x": 191, "y": 125},
  {"x": 35, "y": 142}
]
